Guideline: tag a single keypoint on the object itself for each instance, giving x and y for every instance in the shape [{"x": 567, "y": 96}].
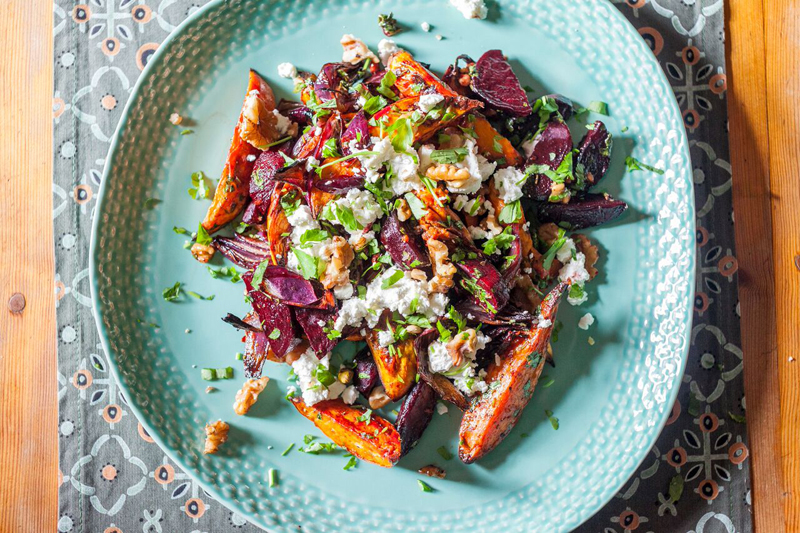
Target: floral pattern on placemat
[{"x": 113, "y": 478}]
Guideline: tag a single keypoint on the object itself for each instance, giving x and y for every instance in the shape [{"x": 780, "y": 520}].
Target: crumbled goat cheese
[
  {"x": 508, "y": 183},
  {"x": 542, "y": 322},
  {"x": 406, "y": 176},
  {"x": 373, "y": 163},
  {"x": 281, "y": 122},
  {"x": 365, "y": 209},
  {"x": 429, "y": 101},
  {"x": 575, "y": 270},
  {"x": 441, "y": 408},
  {"x": 387, "y": 47},
  {"x": 565, "y": 253},
  {"x": 439, "y": 359},
  {"x": 425, "y": 27},
  {"x": 304, "y": 367},
  {"x": 471, "y": 9},
  {"x": 311, "y": 164},
  {"x": 287, "y": 70},
  {"x": 385, "y": 337},
  {"x": 350, "y": 395},
  {"x": 578, "y": 301},
  {"x": 460, "y": 201},
  {"x": 402, "y": 296},
  {"x": 464, "y": 375},
  {"x": 586, "y": 321}
]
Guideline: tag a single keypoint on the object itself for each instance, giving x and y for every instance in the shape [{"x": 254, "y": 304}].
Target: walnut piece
[
  {"x": 443, "y": 269},
  {"x": 354, "y": 50},
  {"x": 462, "y": 346},
  {"x": 258, "y": 125},
  {"x": 585, "y": 246},
  {"x": 403, "y": 210},
  {"x": 457, "y": 177},
  {"x": 378, "y": 397},
  {"x": 548, "y": 233},
  {"x": 433, "y": 471},
  {"x": 216, "y": 435},
  {"x": 248, "y": 394},
  {"x": 202, "y": 252},
  {"x": 339, "y": 254}
]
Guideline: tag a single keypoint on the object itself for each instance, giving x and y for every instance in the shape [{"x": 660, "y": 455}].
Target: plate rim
[{"x": 168, "y": 450}]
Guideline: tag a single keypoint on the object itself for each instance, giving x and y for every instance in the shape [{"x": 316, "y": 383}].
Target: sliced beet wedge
[
  {"x": 273, "y": 315},
  {"x": 594, "y": 157},
  {"x": 358, "y": 131},
  {"x": 366, "y": 372},
  {"x": 482, "y": 280},
  {"x": 262, "y": 180},
  {"x": 549, "y": 147},
  {"x": 405, "y": 247},
  {"x": 414, "y": 415},
  {"x": 496, "y": 84},
  {"x": 584, "y": 212},
  {"x": 313, "y": 322}
]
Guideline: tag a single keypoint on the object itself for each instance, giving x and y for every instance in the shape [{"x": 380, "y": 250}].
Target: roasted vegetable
[
  {"x": 493, "y": 415},
  {"x": 413, "y": 78},
  {"x": 489, "y": 140},
  {"x": 594, "y": 157},
  {"x": 487, "y": 287},
  {"x": 549, "y": 148},
  {"x": 414, "y": 415},
  {"x": 443, "y": 386},
  {"x": 243, "y": 251},
  {"x": 585, "y": 212},
  {"x": 402, "y": 113},
  {"x": 397, "y": 363},
  {"x": 233, "y": 187},
  {"x": 277, "y": 223},
  {"x": 496, "y": 84},
  {"x": 366, "y": 375},
  {"x": 275, "y": 316},
  {"x": 314, "y": 322},
  {"x": 368, "y": 437},
  {"x": 405, "y": 246}
]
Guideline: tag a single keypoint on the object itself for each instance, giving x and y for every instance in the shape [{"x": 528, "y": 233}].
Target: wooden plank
[
  {"x": 28, "y": 406},
  {"x": 747, "y": 107},
  {"x": 782, "y": 19}
]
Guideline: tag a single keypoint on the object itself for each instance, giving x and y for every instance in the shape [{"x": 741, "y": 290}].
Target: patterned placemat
[{"x": 113, "y": 478}]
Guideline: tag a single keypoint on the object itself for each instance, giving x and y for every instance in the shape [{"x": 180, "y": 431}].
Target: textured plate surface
[{"x": 611, "y": 398}]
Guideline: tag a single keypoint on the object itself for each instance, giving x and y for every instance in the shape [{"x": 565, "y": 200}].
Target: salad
[{"x": 428, "y": 219}]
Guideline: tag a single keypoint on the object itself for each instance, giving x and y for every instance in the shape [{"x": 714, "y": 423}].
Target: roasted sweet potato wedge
[
  {"x": 277, "y": 225},
  {"x": 489, "y": 139},
  {"x": 234, "y": 185},
  {"x": 413, "y": 78},
  {"x": 368, "y": 437},
  {"x": 397, "y": 364},
  {"x": 453, "y": 108},
  {"x": 493, "y": 415}
]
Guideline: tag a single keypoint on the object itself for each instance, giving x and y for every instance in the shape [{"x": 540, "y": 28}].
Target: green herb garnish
[
  {"x": 633, "y": 165},
  {"x": 449, "y": 156},
  {"x": 171, "y": 294},
  {"x": 201, "y": 186}
]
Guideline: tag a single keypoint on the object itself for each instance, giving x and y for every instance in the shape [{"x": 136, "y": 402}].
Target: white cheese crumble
[
  {"x": 304, "y": 367},
  {"x": 542, "y": 322},
  {"x": 386, "y": 48},
  {"x": 565, "y": 253},
  {"x": 464, "y": 376},
  {"x": 507, "y": 181},
  {"x": 365, "y": 209},
  {"x": 287, "y": 70},
  {"x": 478, "y": 166},
  {"x": 282, "y": 123},
  {"x": 471, "y": 9},
  {"x": 586, "y": 321},
  {"x": 441, "y": 408},
  {"x": 407, "y": 296},
  {"x": 385, "y": 338},
  {"x": 429, "y": 101},
  {"x": 350, "y": 395},
  {"x": 575, "y": 270},
  {"x": 425, "y": 27}
]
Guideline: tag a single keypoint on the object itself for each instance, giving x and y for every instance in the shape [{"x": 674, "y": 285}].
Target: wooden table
[{"x": 764, "y": 103}]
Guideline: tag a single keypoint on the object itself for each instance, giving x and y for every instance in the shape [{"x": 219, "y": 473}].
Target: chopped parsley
[
  {"x": 308, "y": 264},
  {"x": 351, "y": 463},
  {"x": 275, "y": 334},
  {"x": 171, "y": 294},
  {"x": 201, "y": 186},
  {"x": 417, "y": 207},
  {"x": 551, "y": 252},
  {"x": 499, "y": 242},
  {"x": 449, "y": 156},
  {"x": 202, "y": 236},
  {"x": 151, "y": 203},
  {"x": 634, "y": 164},
  {"x": 511, "y": 213},
  {"x": 553, "y": 420},
  {"x": 445, "y": 453},
  {"x": 388, "y": 24},
  {"x": 424, "y": 487},
  {"x": 391, "y": 280}
]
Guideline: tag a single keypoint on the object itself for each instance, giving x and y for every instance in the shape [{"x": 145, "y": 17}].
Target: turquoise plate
[{"x": 612, "y": 398}]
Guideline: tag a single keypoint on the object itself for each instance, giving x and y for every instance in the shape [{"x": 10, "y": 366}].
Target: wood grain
[
  {"x": 28, "y": 407},
  {"x": 782, "y": 40},
  {"x": 749, "y": 143}
]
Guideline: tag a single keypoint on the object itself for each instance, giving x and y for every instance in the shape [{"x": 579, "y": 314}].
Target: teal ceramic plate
[{"x": 611, "y": 398}]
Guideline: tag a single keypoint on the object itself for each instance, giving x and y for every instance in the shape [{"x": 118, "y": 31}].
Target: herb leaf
[
  {"x": 449, "y": 156},
  {"x": 634, "y": 164},
  {"x": 171, "y": 294},
  {"x": 201, "y": 186},
  {"x": 308, "y": 264}
]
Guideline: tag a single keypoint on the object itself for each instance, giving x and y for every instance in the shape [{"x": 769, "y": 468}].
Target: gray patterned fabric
[{"x": 113, "y": 478}]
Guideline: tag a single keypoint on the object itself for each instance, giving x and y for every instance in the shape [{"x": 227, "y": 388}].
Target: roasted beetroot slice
[
  {"x": 585, "y": 212},
  {"x": 246, "y": 252},
  {"x": 414, "y": 415},
  {"x": 256, "y": 346},
  {"x": 261, "y": 182},
  {"x": 404, "y": 246},
  {"x": 296, "y": 112},
  {"x": 550, "y": 147},
  {"x": 487, "y": 287},
  {"x": 313, "y": 321},
  {"x": 594, "y": 157},
  {"x": 273, "y": 315},
  {"x": 565, "y": 106},
  {"x": 358, "y": 131},
  {"x": 496, "y": 84},
  {"x": 290, "y": 287},
  {"x": 366, "y": 372},
  {"x": 339, "y": 185}
]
